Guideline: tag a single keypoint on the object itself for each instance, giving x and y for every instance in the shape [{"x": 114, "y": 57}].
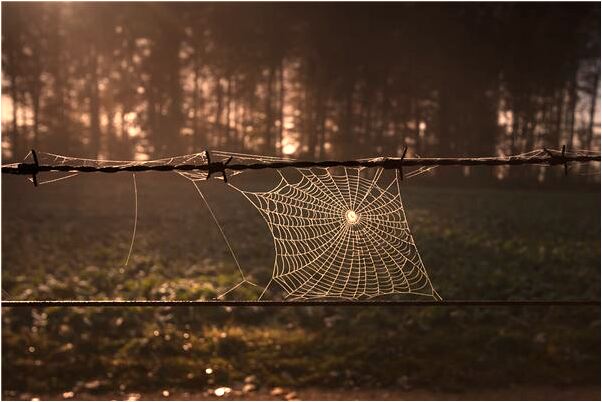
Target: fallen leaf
[{"x": 277, "y": 391}]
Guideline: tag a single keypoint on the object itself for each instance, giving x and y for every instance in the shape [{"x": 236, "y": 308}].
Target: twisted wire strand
[{"x": 546, "y": 157}]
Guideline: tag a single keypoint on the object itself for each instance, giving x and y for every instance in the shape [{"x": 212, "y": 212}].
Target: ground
[
  {"x": 70, "y": 239},
  {"x": 393, "y": 394}
]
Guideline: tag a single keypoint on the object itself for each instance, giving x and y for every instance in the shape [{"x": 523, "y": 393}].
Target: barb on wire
[
  {"x": 33, "y": 168},
  {"x": 215, "y": 167},
  {"x": 400, "y": 168},
  {"x": 209, "y": 171},
  {"x": 224, "y": 167},
  {"x": 561, "y": 159}
]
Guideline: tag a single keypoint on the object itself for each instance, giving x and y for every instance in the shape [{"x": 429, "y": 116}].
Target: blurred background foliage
[
  {"x": 68, "y": 240},
  {"x": 147, "y": 80}
]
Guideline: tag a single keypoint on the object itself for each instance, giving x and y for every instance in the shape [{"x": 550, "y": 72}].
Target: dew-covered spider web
[
  {"x": 338, "y": 233},
  {"x": 341, "y": 235},
  {"x": 336, "y": 236}
]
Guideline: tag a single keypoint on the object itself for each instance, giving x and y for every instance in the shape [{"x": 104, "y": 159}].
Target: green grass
[{"x": 69, "y": 240}]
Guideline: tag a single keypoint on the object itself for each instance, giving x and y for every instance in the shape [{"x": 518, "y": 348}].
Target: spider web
[
  {"x": 341, "y": 236},
  {"x": 317, "y": 253}
]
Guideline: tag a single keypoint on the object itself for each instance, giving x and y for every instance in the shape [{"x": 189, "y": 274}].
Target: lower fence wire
[{"x": 306, "y": 303}]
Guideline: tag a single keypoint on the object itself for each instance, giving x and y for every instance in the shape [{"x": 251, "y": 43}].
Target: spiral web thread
[{"x": 341, "y": 236}]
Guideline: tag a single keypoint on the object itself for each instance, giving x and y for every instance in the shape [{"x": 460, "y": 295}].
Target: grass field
[{"x": 69, "y": 240}]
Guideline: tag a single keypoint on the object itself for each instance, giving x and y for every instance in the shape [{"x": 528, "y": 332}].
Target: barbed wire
[{"x": 544, "y": 156}]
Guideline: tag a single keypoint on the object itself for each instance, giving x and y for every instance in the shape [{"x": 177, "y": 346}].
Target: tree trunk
[
  {"x": 368, "y": 122},
  {"x": 95, "y": 133},
  {"x": 384, "y": 116},
  {"x": 269, "y": 119},
  {"x": 35, "y": 100},
  {"x": 218, "y": 109},
  {"x": 124, "y": 146},
  {"x": 16, "y": 147},
  {"x": 417, "y": 121},
  {"x": 281, "y": 98},
  {"x": 347, "y": 135},
  {"x": 311, "y": 96},
  {"x": 558, "y": 119},
  {"x": 321, "y": 126},
  {"x": 228, "y": 111},
  {"x": 197, "y": 140},
  {"x": 572, "y": 110},
  {"x": 62, "y": 132},
  {"x": 592, "y": 109},
  {"x": 592, "y": 116}
]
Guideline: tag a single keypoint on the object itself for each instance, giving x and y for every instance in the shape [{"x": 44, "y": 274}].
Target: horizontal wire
[
  {"x": 300, "y": 303},
  {"x": 550, "y": 158}
]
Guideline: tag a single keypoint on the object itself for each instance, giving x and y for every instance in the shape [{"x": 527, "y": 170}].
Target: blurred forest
[
  {"x": 310, "y": 80},
  {"x": 147, "y": 80}
]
